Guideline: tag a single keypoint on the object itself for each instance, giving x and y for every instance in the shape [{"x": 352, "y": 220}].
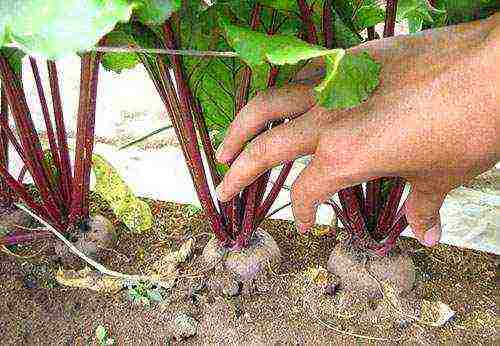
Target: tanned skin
[{"x": 433, "y": 120}]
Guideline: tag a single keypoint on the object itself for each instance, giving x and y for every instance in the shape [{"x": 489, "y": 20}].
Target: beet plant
[
  {"x": 273, "y": 40},
  {"x": 61, "y": 194}
]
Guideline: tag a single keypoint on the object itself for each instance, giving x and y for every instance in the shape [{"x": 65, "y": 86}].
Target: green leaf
[
  {"x": 133, "y": 294},
  {"x": 257, "y": 48},
  {"x": 155, "y": 295},
  {"x": 215, "y": 81},
  {"x": 461, "y": 11},
  {"x": 142, "y": 36},
  {"x": 155, "y": 12},
  {"x": 54, "y": 28},
  {"x": 222, "y": 168},
  {"x": 101, "y": 333},
  {"x": 145, "y": 137},
  {"x": 345, "y": 35},
  {"x": 368, "y": 16},
  {"x": 215, "y": 84},
  {"x": 285, "y": 5},
  {"x": 349, "y": 80},
  {"x": 118, "y": 62},
  {"x": 130, "y": 210},
  {"x": 145, "y": 302},
  {"x": 14, "y": 57},
  {"x": 416, "y": 12}
]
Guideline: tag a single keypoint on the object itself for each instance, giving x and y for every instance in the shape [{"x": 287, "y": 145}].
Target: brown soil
[
  {"x": 34, "y": 310},
  {"x": 11, "y": 218}
]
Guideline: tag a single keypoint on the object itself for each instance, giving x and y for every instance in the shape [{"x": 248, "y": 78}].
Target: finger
[
  {"x": 282, "y": 143},
  {"x": 315, "y": 184},
  {"x": 422, "y": 213},
  {"x": 273, "y": 104}
]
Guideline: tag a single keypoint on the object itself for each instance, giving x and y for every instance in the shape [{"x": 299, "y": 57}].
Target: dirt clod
[
  {"x": 11, "y": 217},
  {"x": 185, "y": 326}
]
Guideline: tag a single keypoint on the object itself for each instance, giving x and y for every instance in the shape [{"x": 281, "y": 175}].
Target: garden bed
[{"x": 34, "y": 309}]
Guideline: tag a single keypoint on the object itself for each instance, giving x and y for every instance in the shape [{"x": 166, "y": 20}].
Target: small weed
[
  {"x": 103, "y": 337},
  {"x": 49, "y": 283},
  {"x": 144, "y": 293},
  {"x": 3, "y": 230},
  {"x": 192, "y": 210}
]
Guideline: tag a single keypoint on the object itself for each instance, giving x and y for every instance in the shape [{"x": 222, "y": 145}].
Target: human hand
[{"x": 433, "y": 120}]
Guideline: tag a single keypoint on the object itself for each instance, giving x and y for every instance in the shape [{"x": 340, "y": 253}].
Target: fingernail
[
  {"x": 302, "y": 228},
  {"x": 433, "y": 235}
]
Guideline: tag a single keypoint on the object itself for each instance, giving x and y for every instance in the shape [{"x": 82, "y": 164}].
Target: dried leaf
[
  {"x": 435, "y": 313},
  {"x": 319, "y": 277},
  {"x": 165, "y": 268},
  {"x": 427, "y": 312},
  {"x": 86, "y": 278},
  {"x": 129, "y": 209}
]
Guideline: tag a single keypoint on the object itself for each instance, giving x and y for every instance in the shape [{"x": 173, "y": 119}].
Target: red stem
[
  {"x": 371, "y": 33},
  {"x": 250, "y": 193},
  {"x": 354, "y": 213},
  {"x": 12, "y": 138},
  {"x": 248, "y": 224},
  {"x": 339, "y": 212},
  {"x": 46, "y": 116},
  {"x": 275, "y": 190},
  {"x": 66, "y": 175},
  {"x": 22, "y": 173},
  {"x": 167, "y": 93},
  {"x": 271, "y": 81},
  {"x": 23, "y": 238},
  {"x": 20, "y": 191},
  {"x": 76, "y": 212},
  {"x": 29, "y": 138},
  {"x": 305, "y": 13},
  {"x": 208, "y": 148},
  {"x": 394, "y": 232},
  {"x": 185, "y": 121},
  {"x": 390, "y": 17},
  {"x": 328, "y": 19},
  {"x": 390, "y": 209},
  {"x": 5, "y": 193},
  {"x": 89, "y": 134},
  {"x": 372, "y": 201}
]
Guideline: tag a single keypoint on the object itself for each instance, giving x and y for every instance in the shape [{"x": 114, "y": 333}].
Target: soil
[
  {"x": 11, "y": 218},
  {"x": 35, "y": 310}
]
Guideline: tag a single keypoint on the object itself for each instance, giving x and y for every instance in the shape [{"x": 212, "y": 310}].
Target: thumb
[{"x": 422, "y": 213}]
